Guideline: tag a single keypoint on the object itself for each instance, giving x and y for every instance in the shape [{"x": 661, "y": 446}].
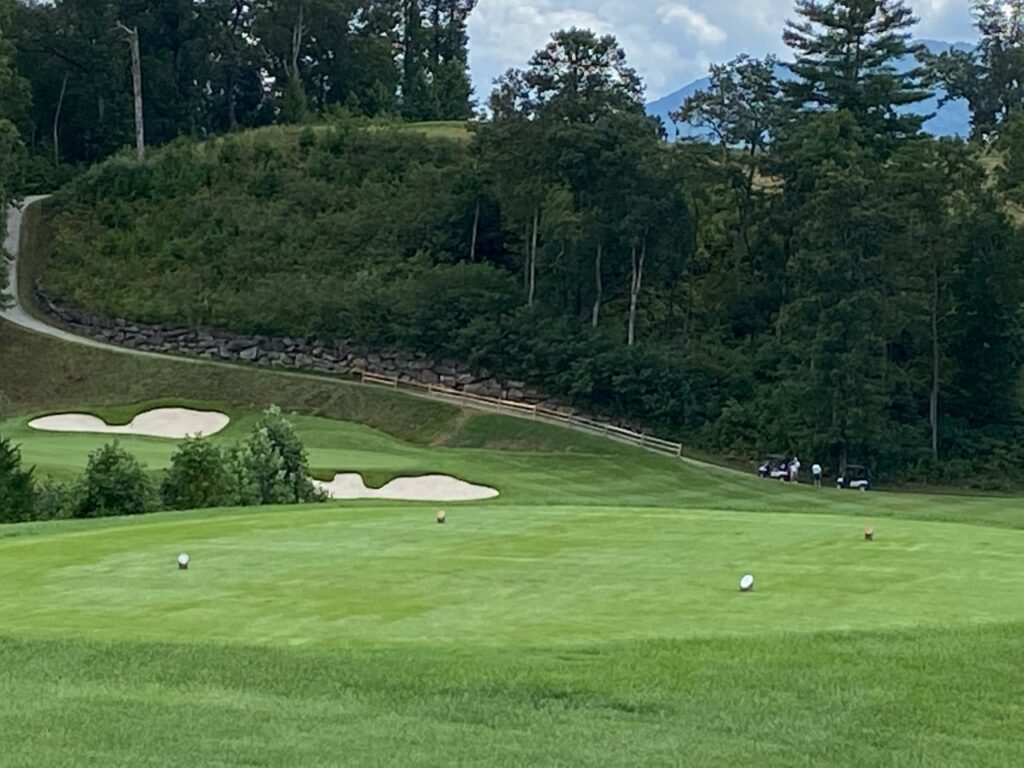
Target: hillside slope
[{"x": 490, "y": 256}]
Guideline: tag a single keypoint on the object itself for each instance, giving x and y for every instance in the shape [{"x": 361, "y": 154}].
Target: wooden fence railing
[{"x": 524, "y": 410}]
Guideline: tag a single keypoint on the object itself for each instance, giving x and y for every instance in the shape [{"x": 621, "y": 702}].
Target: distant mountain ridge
[{"x": 953, "y": 119}]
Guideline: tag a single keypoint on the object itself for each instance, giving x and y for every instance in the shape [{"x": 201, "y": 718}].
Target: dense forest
[
  {"x": 210, "y": 66},
  {"x": 824, "y": 278}
]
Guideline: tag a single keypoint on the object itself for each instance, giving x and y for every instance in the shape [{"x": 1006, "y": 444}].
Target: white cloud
[
  {"x": 693, "y": 21},
  {"x": 670, "y": 42}
]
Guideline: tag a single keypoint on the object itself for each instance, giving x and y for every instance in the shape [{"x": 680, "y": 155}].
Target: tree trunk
[
  {"x": 533, "y": 258},
  {"x": 634, "y": 290},
  {"x": 232, "y": 108},
  {"x": 56, "y": 121},
  {"x": 476, "y": 230},
  {"x": 297, "y": 33},
  {"x": 933, "y": 405},
  {"x": 595, "y": 315},
  {"x": 140, "y": 132},
  {"x": 410, "y": 32},
  {"x": 236, "y": 66}
]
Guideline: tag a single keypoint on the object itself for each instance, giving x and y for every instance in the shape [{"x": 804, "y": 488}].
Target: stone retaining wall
[{"x": 314, "y": 355}]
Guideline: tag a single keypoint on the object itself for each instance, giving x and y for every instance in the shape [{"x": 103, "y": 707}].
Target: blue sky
[{"x": 670, "y": 42}]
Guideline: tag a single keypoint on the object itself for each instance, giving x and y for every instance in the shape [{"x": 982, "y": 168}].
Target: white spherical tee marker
[
  {"x": 183, "y": 561},
  {"x": 747, "y": 583}
]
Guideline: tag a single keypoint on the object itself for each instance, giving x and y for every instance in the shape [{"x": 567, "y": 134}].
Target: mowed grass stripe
[{"x": 340, "y": 575}]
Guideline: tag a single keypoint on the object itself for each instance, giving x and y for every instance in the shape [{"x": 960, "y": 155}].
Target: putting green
[{"x": 350, "y": 575}]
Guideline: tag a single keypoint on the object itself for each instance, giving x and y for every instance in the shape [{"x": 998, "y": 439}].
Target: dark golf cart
[
  {"x": 856, "y": 478},
  {"x": 774, "y": 468}
]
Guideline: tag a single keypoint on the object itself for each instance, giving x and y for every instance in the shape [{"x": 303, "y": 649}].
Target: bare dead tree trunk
[
  {"x": 56, "y": 120},
  {"x": 133, "y": 43},
  {"x": 476, "y": 230},
  {"x": 298, "y": 32},
  {"x": 933, "y": 405},
  {"x": 634, "y": 290},
  {"x": 236, "y": 64},
  {"x": 533, "y": 258},
  {"x": 595, "y": 315},
  {"x": 232, "y": 109}
]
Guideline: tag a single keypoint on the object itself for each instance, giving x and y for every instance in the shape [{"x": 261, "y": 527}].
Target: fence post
[{"x": 679, "y": 451}]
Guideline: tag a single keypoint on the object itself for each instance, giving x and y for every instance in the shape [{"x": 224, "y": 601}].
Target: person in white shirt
[
  {"x": 816, "y": 471},
  {"x": 794, "y": 470}
]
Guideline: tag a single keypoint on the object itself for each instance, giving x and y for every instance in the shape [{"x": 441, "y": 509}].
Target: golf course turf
[{"x": 590, "y": 615}]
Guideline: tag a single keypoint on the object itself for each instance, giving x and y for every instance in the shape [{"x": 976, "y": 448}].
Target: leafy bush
[
  {"x": 271, "y": 467},
  {"x": 55, "y": 501},
  {"x": 114, "y": 483},
  {"x": 198, "y": 477},
  {"x": 17, "y": 492}
]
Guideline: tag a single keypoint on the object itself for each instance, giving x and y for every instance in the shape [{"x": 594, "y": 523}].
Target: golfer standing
[
  {"x": 794, "y": 470},
  {"x": 816, "y": 472}
]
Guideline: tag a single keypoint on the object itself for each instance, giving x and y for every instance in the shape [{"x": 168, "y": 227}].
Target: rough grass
[
  {"x": 933, "y": 698},
  {"x": 285, "y": 135},
  {"x": 452, "y": 129},
  {"x": 77, "y": 376}
]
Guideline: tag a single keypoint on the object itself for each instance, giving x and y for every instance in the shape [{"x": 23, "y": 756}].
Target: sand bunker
[
  {"x": 174, "y": 423},
  {"x": 426, "y": 488}
]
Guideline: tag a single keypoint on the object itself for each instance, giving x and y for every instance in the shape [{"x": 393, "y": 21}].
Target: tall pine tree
[{"x": 848, "y": 56}]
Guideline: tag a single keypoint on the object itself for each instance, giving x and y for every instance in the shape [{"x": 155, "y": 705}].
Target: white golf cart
[
  {"x": 855, "y": 478},
  {"x": 774, "y": 468}
]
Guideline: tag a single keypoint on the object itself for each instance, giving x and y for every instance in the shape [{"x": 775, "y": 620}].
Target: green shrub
[
  {"x": 17, "y": 491},
  {"x": 198, "y": 477},
  {"x": 55, "y": 501},
  {"x": 114, "y": 483},
  {"x": 271, "y": 467}
]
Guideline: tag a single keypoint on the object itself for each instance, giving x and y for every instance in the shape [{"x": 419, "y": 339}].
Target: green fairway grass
[
  {"x": 515, "y": 577},
  {"x": 364, "y": 634}
]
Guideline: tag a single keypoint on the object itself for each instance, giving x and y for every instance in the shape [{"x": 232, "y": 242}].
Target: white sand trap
[
  {"x": 174, "y": 423},
  {"x": 426, "y": 488}
]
